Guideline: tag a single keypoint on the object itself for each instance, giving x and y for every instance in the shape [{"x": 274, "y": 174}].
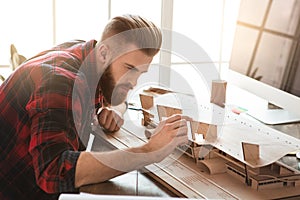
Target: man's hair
[{"x": 137, "y": 30}]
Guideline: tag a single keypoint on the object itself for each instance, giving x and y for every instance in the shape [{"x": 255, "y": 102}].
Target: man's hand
[
  {"x": 110, "y": 120},
  {"x": 167, "y": 136}
]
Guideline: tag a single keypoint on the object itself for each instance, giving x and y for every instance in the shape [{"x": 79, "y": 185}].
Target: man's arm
[
  {"x": 91, "y": 170},
  {"x": 95, "y": 167}
]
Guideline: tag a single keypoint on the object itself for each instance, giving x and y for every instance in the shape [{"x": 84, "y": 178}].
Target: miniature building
[
  {"x": 218, "y": 92},
  {"x": 166, "y": 111},
  {"x": 215, "y": 160},
  {"x": 209, "y": 131},
  {"x": 146, "y": 101}
]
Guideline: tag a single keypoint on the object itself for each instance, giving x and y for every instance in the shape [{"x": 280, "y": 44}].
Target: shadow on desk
[{"x": 134, "y": 183}]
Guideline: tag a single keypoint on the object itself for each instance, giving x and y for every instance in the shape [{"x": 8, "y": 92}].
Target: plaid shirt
[{"x": 42, "y": 115}]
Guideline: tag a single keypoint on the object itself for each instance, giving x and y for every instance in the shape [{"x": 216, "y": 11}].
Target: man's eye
[{"x": 131, "y": 68}]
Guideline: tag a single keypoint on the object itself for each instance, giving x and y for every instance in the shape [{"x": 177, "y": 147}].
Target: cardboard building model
[{"x": 243, "y": 149}]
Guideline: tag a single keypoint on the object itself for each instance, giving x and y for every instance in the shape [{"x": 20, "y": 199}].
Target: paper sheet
[{"x": 233, "y": 129}]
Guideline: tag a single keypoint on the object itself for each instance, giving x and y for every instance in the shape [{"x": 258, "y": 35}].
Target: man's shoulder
[
  {"x": 69, "y": 44},
  {"x": 74, "y": 48},
  {"x": 76, "y": 45},
  {"x": 63, "y": 61}
]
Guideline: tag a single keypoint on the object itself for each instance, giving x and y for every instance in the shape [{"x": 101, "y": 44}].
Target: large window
[
  {"x": 35, "y": 25},
  {"x": 27, "y": 24},
  {"x": 78, "y": 19},
  {"x": 150, "y": 9},
  {"x": 210, "y": 25},
  {"x": 195, "y": 25}
]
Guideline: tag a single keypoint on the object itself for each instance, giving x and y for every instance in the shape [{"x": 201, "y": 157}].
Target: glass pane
[
  {"x": 284, "y": 16},
  {"x": 201, "y": 21},
  {"x": 150, "y": 9},
  {"x": 30, "y": 29},
  {"x": 77, "y": 19},
  {"x": 243, "y": 46},
  {"x": 231, "y": 10},
  {"x": 272, "y": 57},
  {"x": 188, "y": 79},
  {"x": 253, "y": 11},
  {"x": 295, "y": 87}
]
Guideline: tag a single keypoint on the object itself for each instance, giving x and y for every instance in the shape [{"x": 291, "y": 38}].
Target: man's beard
[{"x": 111, "y": 90}]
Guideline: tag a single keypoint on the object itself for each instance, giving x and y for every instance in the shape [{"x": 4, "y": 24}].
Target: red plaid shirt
[{"x": 41, "y": 120}]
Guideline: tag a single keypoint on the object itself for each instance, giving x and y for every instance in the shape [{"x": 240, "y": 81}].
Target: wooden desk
[{"x": 135, "y": 183}]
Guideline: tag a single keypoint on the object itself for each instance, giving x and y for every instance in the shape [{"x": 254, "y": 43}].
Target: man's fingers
[
  {"x": 106, "y": 119},
  {"x": 177, "y": 117},
  {"x": 180, "y": 131},
  {"x": 187, "y": 118},
  {"x": 109, "y": 120},
  {"x": 182, "y": 140},
  {"x": 110, "y": 123},
  {"x": 178, "y": 124},
  {"x": 173, "y": 118},
  {"x": 120, "y": 122},
  {"x": 102, "y": 116},
  {"x": 116, "y": 122}
]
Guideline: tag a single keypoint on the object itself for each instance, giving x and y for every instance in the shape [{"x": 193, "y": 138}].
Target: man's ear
[{"x": 103, "y": 53}]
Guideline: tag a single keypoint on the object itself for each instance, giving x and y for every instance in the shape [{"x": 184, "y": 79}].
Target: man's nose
[{"x": 133, "y": 80}]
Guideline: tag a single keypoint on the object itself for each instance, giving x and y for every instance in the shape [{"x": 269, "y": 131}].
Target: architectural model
[{"x": 243, "y": 148}]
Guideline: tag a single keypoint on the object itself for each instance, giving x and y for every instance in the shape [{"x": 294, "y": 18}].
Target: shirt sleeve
[{"x": 54, "y": 143}]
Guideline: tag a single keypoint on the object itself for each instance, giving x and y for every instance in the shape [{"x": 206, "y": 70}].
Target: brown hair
[{"x": 146, "y": 36}]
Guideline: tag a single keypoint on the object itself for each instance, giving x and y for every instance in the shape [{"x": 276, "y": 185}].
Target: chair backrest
[
  {"x": 15, "y": 58},
  {"x": 2, "y": 78}
]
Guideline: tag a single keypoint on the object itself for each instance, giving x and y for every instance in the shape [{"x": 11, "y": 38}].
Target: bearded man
[{"x": 49, "y": 103}]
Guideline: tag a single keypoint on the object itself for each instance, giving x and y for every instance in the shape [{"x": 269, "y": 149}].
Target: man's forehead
[{"x": 137, "y": 56}]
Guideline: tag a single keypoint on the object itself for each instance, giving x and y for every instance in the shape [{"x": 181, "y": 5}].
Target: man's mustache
[{"x": 126, "y": 85}]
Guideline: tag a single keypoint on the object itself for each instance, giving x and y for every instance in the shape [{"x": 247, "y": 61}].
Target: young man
[{"x": 48, "y": 104}]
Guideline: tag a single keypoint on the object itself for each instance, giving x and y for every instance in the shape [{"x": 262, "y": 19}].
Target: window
[
  {"x": 78, "y": 19},
  {"x": 35, "y": 25},
  {"x": 150, "y": 9},
  {"x": 27, "y": 24},
  {"x": 201, "y": 21},
  {"x": 210, "y": 25}
]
